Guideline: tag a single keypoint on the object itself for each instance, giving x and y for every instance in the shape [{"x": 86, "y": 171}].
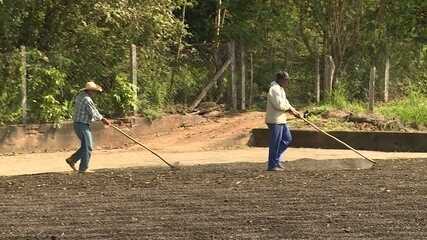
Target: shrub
[
  {"x": 45, "y": 91},
  {"x": 121, "y": 99}
]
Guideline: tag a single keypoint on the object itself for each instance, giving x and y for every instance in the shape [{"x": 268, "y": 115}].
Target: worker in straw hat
[
  {"x": 277, "y": 107},
  {"x": 85, "y": 112}
]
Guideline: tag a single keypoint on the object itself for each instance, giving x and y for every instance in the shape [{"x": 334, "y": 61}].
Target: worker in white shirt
[{"x": 277, "y": 107}]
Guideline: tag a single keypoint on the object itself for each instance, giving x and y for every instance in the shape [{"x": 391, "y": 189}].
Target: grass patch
[
  {"x": 339, "y": 100},
  {"x": 410, "y": 110}
]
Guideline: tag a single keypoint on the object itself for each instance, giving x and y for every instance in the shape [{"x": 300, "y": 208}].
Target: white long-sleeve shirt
[{"x": 277, "y": 104}]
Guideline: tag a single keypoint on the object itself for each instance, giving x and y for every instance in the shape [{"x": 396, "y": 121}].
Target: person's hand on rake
[
  {"x": 296, "y": 113},
  {"x": 106, "y": 122}
]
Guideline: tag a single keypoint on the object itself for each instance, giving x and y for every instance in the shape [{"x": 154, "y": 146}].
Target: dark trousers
[
  {"x": 280, "y": 139},
  {"x": 83, "y": 154}
]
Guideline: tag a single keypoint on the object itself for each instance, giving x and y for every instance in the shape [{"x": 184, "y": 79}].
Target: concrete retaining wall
[
  {"x": 375, "y": 141},
  {"x": 49, "y": 138}
]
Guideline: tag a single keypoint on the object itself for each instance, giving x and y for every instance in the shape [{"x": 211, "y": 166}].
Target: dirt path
[
  {"x": 219, "y": 140},
  {"x": 229, "y": 132},
  {"x": 54, "y": 162}
]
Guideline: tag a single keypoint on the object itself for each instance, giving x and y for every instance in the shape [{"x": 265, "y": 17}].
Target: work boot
[
  {"x": 275, "y": 169},
  {"x": 71, "y": 163}
]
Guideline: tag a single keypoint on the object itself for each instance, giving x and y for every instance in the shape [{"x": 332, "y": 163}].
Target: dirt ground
[
  {"x": 220, "y": 192},
  {"x": 229, "y": 201},
  {"x": 55, "y": 162},
  {"x": 229, "y": 132}
]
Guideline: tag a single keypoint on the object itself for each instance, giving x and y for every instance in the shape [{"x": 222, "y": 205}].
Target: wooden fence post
[
  {"x": 24, "y": 84},
  {"x": 317, "y": 74},
  {"x": 232, "y": 50},
  {"x": 251, "y": 82},
  {"x": 331, "y": 72},
  {"x": 134, "y": 70},
  {"x": 372, "y": 89},
  {"x": 243, "y": 77},
  {"x": 386, "y": 78},
  {"x": 328, "y": 76}
]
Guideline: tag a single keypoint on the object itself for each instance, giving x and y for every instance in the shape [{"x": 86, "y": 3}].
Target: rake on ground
[
  {"x": 336, "y": 139},
  {"x": 145, "y": 147}
]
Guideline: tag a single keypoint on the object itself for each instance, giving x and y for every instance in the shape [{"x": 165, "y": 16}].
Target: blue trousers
[
  {"x": 83, "y": 154},
  {"x": 280, "y": 139}
]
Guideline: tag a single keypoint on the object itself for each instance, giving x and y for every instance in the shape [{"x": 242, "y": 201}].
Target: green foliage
[
  {"x": 154, "y": 95},
  {"x": 74, "y": 42},
  {"x": 10, "y": 96},
  {"x": 409, "y": 110},
  {"x": 51, "y": 110},
  {"x": 71, "y": 42},
  {"x": 189, "y": 80},
  {"x": 45, "y": 91},
  {"x": 121, "y": 99},
  {"x": 339, "y": 99}
]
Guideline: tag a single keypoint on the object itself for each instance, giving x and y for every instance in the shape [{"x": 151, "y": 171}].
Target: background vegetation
[{"x": 181, "y": 43}]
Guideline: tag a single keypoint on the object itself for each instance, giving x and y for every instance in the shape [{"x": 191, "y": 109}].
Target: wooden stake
[
  {"x": 317, "y": 74},
  {"x": 386, "y": 78},
  {"x": 24, "y": 84},
  {"x": 251, "y": 82},
  {"x": 232, "y": 49},
  {"x": 328, "y": 76},
  {"x": 372, "y": 89},
  {"x": 134, "y": 70},
  {"x": 243, "y": 78},
  {"x": 329, "y": 73}
]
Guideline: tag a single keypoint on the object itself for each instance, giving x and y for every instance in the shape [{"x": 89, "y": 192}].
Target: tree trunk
[{"x": 218, "y": 21}]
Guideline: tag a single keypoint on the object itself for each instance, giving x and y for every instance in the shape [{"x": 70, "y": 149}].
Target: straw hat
[{"x": 92, "y": 86}]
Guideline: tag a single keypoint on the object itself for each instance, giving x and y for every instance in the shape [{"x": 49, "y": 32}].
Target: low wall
[
  {"x": 375, "y": 141},
  {"x": 50, "y": 138}
]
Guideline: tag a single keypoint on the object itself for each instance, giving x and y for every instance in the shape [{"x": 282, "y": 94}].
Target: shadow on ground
[{"x": 308, "y": 164}]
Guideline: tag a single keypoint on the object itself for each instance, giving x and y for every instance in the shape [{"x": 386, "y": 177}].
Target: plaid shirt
[{"x": 85, "y": 110}]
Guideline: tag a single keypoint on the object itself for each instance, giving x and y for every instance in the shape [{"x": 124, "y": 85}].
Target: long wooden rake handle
[
  {"x": 336, "y": 139},
  {"x": 142, "y": 145}
]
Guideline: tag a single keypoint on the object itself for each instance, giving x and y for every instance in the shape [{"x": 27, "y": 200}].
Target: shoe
[
  {"x": 72, "y": 164},
  {"x": 87, "y": 171},
  {"x": 275, "y": 169},
  {"x": 281, "y": 165}
]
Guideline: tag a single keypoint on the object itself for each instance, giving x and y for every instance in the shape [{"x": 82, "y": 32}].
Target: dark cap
[{"x": 282, "y": 75}]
